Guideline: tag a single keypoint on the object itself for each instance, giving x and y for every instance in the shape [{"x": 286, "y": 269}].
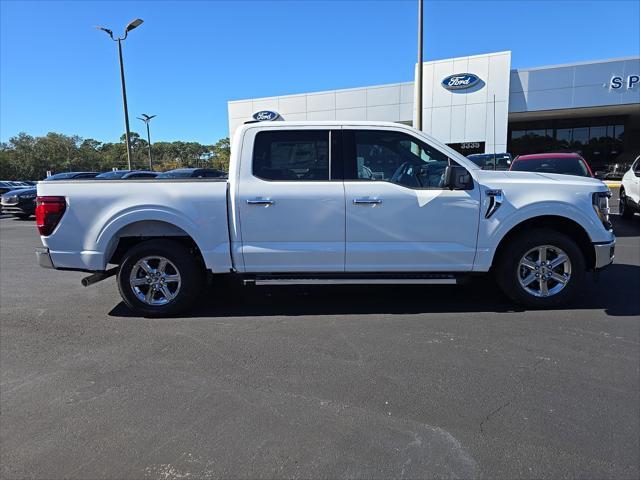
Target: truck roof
[{"x": 308, "y": 123}]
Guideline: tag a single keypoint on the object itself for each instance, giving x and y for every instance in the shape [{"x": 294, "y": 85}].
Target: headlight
[
  {"x": 33, "y": 195},
  {"x": 601, "y": 206}
]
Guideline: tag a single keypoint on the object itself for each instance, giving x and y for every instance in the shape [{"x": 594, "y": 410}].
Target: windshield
[
  {"x": 489, "y": 161},
  {"x": 112, "y": 175},
  {"x": 176, "y": 174},
  {"x": 564, "y": 166},
  {"x": 60, "y": 176}
]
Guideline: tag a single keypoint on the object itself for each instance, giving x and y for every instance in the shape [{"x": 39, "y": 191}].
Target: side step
[{"x": 355, "y": 279}]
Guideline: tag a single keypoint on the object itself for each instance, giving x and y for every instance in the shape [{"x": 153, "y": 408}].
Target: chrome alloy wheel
[
  {"x": 155, "y": 280},
  {"x": 544, "y": 271}
]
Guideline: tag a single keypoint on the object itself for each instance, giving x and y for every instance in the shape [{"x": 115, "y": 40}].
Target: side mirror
[{"x": 457, "y": 178}]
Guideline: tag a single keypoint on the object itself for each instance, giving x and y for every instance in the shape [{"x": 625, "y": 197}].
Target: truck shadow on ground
[{"x": 615, "y": 292}]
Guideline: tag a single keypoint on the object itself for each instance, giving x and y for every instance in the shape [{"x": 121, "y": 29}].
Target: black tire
[
  {"x": 508, "y": 271},
  {"x": 624, "y": 208},
  {"x": 189, "y": 268}
]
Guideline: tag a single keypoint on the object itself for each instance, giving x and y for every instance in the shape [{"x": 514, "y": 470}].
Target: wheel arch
[
  {"x": 564, "y": 225},
  {"x": 143, "y": 230}
]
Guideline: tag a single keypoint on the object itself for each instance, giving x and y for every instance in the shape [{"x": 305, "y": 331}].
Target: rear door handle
[
  {"x": 260, "y": 201},
  {"x": 366, "y": 201}
]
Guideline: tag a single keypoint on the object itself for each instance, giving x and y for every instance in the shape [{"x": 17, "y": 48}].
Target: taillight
[{"x": 49, "y": 211}]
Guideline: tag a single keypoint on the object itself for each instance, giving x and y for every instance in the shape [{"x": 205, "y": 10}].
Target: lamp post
[
  {"x": 419, "y": 75},
  {"x": 146, "y": 119},
  {"x": 135, "y": 23}
]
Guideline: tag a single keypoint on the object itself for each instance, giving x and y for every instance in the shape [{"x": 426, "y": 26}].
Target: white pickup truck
[{"x": 330, "y": 202}]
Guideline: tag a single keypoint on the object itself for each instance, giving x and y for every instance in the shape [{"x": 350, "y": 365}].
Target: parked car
[
  {"x": 331, "y": 202},
  {"x": 562, "y": 163},
  {"x": 615, "y": 172},
  {"x": 630, "y": 191},
  {"x": 491, "y": 161},
  {"x": 8, "y": 185},
  {"x": 72, "y": 176},
  {"x": 126, "y": 174},
  {"x": 21, "y": 202},
  {"x": 193, "y": 173}
]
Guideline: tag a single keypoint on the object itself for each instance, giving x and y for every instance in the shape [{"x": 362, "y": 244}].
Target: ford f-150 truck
[{"x": 330, "y": 202}]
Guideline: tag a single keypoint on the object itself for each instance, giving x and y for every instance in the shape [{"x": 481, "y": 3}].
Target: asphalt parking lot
[{"x": 332, "y": 382}]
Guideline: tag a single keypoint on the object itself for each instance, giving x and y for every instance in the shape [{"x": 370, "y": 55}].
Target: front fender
[{"x": 493, "y": 230}]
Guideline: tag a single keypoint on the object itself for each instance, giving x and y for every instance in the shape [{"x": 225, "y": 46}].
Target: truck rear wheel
[
  {"x": 159, "y": 278},
  {"x": 541, "y": 269}
]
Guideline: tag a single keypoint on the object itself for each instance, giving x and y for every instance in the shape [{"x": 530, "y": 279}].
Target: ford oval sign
[
  {"x": 265, "y": 116},
  {"x": 460, "y": 81}
]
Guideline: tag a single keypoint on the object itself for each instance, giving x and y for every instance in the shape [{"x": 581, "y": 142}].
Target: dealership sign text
[{"x": 618, "y": 82}]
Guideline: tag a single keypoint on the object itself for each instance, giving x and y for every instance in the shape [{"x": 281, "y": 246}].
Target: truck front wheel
[
  {"x": 541, "y": 269},
  {"x": 158, "y": 278}
]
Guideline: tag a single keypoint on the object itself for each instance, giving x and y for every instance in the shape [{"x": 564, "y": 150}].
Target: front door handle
[
  {"x": 367, "y": 201},
  {"x": 260, "y": 201}
]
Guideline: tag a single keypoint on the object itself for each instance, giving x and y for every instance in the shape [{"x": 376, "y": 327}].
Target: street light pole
[
  {"x": 135, "y": 23},
  {"x": 124, "y": 102},
  {"x": 419, "y": 75},
  {"x": 146, "y": 119}
]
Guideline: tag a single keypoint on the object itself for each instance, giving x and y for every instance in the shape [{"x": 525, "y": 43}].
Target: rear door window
[{"x": 292, "y": 155}]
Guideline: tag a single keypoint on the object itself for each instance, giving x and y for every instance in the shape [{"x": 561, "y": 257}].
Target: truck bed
[{"x": 99, "y": 212}]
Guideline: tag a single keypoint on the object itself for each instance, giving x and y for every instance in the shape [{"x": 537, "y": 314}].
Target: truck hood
[{"x": 496, "y": 179}]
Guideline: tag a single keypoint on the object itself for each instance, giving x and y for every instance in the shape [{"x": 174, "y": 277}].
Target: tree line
[{"x": 25, "y": 157}]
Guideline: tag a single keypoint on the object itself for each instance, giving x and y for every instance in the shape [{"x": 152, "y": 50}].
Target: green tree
[{"x": 28, "y": 157}]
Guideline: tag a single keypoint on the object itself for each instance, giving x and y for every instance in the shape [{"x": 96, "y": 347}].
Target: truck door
[
  {"x": 399, "y": 216},
  {"x": 291, "y": 208}
]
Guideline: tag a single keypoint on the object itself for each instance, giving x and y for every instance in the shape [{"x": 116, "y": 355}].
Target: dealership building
[{"x": 480, "y": 104}]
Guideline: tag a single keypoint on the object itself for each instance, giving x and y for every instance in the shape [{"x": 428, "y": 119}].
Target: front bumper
[
  {"x": 16, "y": 210},
  {"x": 16, "y": 206},
  {"x": 604, "y": 253},
  {"x": 43, "y": 257}
]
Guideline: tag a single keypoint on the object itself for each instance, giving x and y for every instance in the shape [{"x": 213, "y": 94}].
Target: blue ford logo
[
  {"x": 460, "y": 81},
  {"x": 265, "y": 115}
]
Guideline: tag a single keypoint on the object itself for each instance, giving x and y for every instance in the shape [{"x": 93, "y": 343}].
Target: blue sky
[{"x": 58, "y": 73}]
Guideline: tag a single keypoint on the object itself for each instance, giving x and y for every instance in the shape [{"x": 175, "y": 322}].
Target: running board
[{"x": 421, "y": 279}]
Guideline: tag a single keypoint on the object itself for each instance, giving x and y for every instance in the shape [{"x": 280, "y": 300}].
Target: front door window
[{"x": 397, "y": 158}]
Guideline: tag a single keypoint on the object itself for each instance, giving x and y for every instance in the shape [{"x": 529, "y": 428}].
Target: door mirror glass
[{"x": 457, "y": 178}]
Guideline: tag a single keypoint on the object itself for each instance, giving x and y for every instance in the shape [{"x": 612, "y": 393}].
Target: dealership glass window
[
  {"x": 610, "y": 130},
  {"x": 301, "y": 155},
  {"x": 564, "y": 135},
  {"x": 600, "y": 141},
  {"x": 580, "y": 135},
  {"x": 398, "y": 158},
  {"x": 597, "y": 133}
]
